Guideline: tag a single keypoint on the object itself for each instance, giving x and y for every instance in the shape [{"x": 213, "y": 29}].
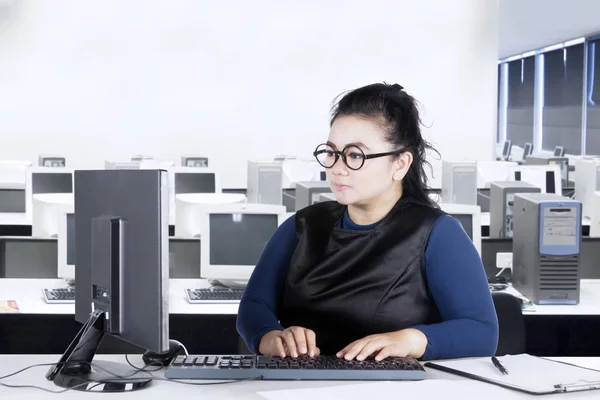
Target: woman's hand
[
  {"x": 404, "y": 343},
  {"x": 291, "y": 341}
]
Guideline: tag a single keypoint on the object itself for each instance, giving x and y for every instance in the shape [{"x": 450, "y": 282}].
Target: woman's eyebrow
[{"x": 357, "y": 144}]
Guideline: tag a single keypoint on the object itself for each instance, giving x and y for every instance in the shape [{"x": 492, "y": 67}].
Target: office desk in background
[
  {"x": 48, "y": 328},
  {"x": 445, "y": 384}
]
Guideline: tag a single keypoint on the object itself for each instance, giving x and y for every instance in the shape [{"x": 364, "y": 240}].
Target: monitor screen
[
  {"x": 558, "y": 151},
  {"x": 70, "y": 239},
  {"x": 506, "y": 149},
  {"x": 51, "y": 183},
  {"x": 466, "y": 220},
  {"x": 527, "y": 150},
  {"x": 195, "y": 183},
  {"x": 12, "y": 201},
  {"x": 239, "y": 239}
]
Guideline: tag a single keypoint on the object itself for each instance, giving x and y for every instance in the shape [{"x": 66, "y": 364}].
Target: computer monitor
[
  {"x": 233, "y": 237},
  {"x": 196, "y": 180},
  {"x": 307, "y": 193},
  {"x": 121, "y": 275},
  {"x": 506, "y": 149},
  {"x": 108, "y": 164},
  {"x": 527, "y": 150},
  {"x": 189, "y": 209},
  {"x": 42, "y": 180},
  {"x": 587, "y": 181},
  {"x": 46, "y": 213},
  {"x": 559, "y": 151},
  {"x": 66, "y": 244},
  {"x": 12, "y": 200},
  {"x": 547, "y": 177},
  {"x": 194, "y": 161},
  {"x": 469, "y": 217},
  {"x": 493, "y": 171},
  {"x": 459, "y": 182},
  {"x": 52, "y": 161}
]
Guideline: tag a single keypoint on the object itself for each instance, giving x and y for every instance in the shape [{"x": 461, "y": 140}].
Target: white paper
[
  {"x": 425, "y": 389},
  {"x": 527, "y": 372}
]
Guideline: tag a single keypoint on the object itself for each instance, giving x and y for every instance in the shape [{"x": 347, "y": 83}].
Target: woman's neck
[{"x": 374, "y": 211}]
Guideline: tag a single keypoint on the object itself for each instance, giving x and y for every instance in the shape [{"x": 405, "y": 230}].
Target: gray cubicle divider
[{"x": 589, "y": 255}]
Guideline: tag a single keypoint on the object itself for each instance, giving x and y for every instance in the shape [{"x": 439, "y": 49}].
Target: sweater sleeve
[{"x": 458, "y": 285}]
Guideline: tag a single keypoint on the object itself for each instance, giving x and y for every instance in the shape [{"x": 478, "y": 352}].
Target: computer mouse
[{"x": 164, "y": 359}]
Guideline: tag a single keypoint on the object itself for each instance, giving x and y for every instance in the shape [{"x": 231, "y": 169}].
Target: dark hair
[{"x": 398, "y": 113}]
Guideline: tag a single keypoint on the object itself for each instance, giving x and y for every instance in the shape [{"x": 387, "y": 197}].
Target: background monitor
[
  {"x": 121, "y": 164},
  {"x": 12, "y": 200},
  {"x": 196, "y": 180},
  {"x": 559, "y": 151},
  {"x": 194, "y": 161},
  {"x": 527, "y": 150},
  {"x": 307, "y": 193},
  {"x": 45, "y": 180},
  {"x": 121, "y": 272},
  {"x": 233, "y": 237},
  {"x": 189, "y": 209},
  {"x": 469, "y": 217},
  {"x": 547, "y": 177},
  {"x": 46, "y": 213},
  {"x": 66, "y": 244},
  {"x": 52, "y": 161},
  {"x": 506, "y": 149}
]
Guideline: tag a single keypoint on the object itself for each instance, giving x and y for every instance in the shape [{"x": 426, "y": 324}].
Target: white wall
[
  {"x": 235, "y": 79},
  {"x": 532, "y": 24}
]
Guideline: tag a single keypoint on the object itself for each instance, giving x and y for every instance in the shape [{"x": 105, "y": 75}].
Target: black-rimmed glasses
[{"x": 352, "y": 155}]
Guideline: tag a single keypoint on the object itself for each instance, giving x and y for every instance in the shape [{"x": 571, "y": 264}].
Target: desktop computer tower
[
  {"x": 546, "y": 248},
  {"x": 563, "y": 162},
  {"x": 459, "y": 182},
  {"x": 502, "y": 197},
  {"x": 265, "y": 183}
]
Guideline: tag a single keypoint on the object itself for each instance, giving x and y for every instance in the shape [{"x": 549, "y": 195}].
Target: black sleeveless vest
[{"x": 347, "y": 284}]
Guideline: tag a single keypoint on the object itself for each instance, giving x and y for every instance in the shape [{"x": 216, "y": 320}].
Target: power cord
[{"x": 118, "y": 377}]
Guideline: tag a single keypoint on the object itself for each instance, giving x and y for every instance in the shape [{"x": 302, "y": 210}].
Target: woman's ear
[{"x": 401, "y": 165}]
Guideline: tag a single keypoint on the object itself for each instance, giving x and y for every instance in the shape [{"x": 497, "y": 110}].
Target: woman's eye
[{"x": 355, "y": 156}]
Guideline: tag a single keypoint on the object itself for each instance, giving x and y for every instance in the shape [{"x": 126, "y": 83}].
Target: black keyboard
[
  {"x": 59, "y": 296},
  {"x": 288, "y": 368},
  {"x": 214, "y": 295}
]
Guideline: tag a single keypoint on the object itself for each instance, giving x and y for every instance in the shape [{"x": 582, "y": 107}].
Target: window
[
  {"x": 592, "y": 97},
  {"x": 519, "y": 116},
  {"x": 563, "y": 99}
]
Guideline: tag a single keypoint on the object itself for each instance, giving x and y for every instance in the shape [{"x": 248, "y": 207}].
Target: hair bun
[{"x": 397, "y": 87}]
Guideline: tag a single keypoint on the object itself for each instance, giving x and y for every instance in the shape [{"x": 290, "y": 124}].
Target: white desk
[
  {"x": 242, "y": 390},
  {"x": 28, "y": 294},
  {"x": 589, "y": 301},
  {"x": 14, "y": 219}
]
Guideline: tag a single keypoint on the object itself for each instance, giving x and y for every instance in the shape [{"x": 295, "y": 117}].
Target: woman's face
[{"x": 378, "y": 176}]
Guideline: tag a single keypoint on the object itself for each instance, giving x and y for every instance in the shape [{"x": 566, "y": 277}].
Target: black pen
[{"x": 499, "y": 365}]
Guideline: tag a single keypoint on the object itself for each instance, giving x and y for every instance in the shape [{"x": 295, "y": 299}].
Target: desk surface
[
  {"x": 589, "y": 302},
  {"x": 28, "y": 295},
  {"x": 14, "y": 219},
  {"x": 240, "y": 390},
  {"x": 485, "y": 220}
]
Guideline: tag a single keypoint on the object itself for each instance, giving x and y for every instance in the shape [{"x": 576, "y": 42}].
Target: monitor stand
[
  {"x": 229, "y": 283},
  {"x": 76, "y": 371}
]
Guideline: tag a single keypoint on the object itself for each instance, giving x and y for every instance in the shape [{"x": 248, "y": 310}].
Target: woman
[{"x": 381, "y": 272}]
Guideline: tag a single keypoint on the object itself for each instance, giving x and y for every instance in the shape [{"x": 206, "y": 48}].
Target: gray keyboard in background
[
  {"x": 301, "y": 368},
  {"x": 214, "y": 295},
  {"x": 59, "y": 296}
]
